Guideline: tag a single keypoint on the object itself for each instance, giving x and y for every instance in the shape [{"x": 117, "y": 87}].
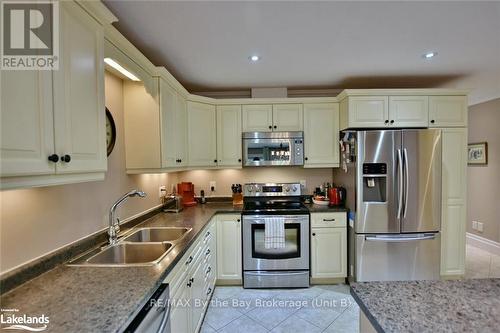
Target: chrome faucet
[{"x": 114, "y": 222}]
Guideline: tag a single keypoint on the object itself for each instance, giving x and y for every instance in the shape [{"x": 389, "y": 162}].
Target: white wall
[{"x": 37, "y": 221}]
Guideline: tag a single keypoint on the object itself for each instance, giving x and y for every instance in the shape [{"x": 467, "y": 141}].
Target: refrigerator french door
[{"x": 398, "y": 205}]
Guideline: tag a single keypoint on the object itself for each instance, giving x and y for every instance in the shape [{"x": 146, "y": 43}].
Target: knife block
[{"x": 237, "y": 199}]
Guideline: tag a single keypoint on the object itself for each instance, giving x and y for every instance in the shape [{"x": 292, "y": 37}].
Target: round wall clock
[{"x": 110, "y": 131}]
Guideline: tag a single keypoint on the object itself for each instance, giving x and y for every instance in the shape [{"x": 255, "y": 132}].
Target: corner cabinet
[
  {"x": 321, "y": 128},
  {"x": 229, "y": 254},
  {"x": 454, "y": 183},
  {"x": 328, "y": 246},
  {"x": 202, "y": 139},
  {"x": 54, "y": 131}
]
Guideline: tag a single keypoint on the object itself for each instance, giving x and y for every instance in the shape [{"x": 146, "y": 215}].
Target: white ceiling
[{"x": 309, "y": 44}]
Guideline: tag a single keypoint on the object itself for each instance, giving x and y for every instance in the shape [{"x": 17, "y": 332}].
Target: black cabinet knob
[
  {"x": 275, "y": 127},
  {"x": 54, "y": 158},
  {"x": 314, "y": 234},
  {"x": 270, "y": 127},
  {"x": 66, "y": 158},
  {"x": 239, "y": 159},
  {"x": 215, "y": 161},
  {"x": 191, "y": 279},
  {"x": 238, "y": 220},
  {"x": 387, "y": 121},
  {"x": 392, "y": 121},
  {"x": 306, "y": 158},
  {"x": 433, "y": 121}
]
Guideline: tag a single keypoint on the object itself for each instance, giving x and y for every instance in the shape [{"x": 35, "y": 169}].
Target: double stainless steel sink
[{"x": 143, "y": 247}]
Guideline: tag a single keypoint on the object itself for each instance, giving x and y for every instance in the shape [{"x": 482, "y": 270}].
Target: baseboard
[
  {"x": 483, "y": 243},
  {"x": 229, "y": 282},
  {"x": 315, "y": 281}
]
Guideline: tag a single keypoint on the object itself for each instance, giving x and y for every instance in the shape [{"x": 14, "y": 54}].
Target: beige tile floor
[
  {"x": 327, "y": 308},
  {"x": 481, "y": 264}
]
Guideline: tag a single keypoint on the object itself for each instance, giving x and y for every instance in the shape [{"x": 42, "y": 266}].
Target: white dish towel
[{"x": 274, "y": 233}]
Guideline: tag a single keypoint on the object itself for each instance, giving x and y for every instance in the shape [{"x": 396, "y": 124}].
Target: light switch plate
[
  {"x": 480, "y": 226},
  {"x": 212, "y": 186}
]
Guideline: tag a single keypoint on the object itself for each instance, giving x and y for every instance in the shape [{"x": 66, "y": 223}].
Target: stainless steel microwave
[{"x": 273, "y": 148}]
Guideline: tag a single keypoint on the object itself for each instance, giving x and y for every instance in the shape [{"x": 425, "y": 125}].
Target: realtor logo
[{"x": 30, "y": 35}]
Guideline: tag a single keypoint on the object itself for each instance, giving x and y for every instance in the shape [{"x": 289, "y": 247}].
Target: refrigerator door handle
[
  {"x": 400, "y": 183},
  {"x": 407, "y": 181},
  {"x": 398, "y": 239}
]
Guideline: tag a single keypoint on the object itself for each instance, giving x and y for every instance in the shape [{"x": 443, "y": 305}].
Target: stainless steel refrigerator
[{"x": 394, "y": 178}]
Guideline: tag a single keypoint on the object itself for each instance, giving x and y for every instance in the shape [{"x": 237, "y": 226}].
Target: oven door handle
[
  {"x": 273, "y": 273},
  {"x": 259, "y": 218}
]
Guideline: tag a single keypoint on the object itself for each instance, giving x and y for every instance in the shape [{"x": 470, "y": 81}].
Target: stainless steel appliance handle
[
  {"x": 394, "y": 239},
  {"x": 164, "y": 320},
  {"x": 407, "y": 181},
  {"x": 400, "y": 183},
  {"x": 272, "y": 273}
]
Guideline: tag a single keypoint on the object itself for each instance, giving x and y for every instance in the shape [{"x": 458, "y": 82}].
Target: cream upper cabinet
[
  {"x": 321, "y": 128},
  {"x": 60, "y": 114},
  {"x": 27, "y": 128},
  {"x": 409, "y": 111},
  {"x": 78, "y": 93},
  {"x": 202, "y": 138},
  {"x": 328, "y": 252},
  {"x": 447, "y": 111},
  {"x": 229, "y": 135},
  {"x": 453, "y": 221},
  {"x": 173, "y": 127},
  {"x": 287, "y": 117},
  {"x": 257, "y": 118},
  {"x": 229, "y": 247},
  {"x": 366, "y": 111}
]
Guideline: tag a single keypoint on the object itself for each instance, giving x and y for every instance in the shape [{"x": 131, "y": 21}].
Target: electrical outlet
[
  {"x": 474, "y": 225},
  {"x": 480, "y": 226},
  {"x": 303, "y": 184},
  {"x": 162, "y": 191},
  {"x": 212, "y": 186}
]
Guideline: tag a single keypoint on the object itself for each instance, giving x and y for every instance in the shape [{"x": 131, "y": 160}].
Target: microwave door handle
[
  {"x": 400, "y": 183},
  {"x": 399, "y": 239},
  {"x": 407, "y": 180}
]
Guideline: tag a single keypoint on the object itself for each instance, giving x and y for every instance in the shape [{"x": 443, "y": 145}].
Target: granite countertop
[
  {"x": 103, "y": 299},
  {"x": 431, "y": 306}
]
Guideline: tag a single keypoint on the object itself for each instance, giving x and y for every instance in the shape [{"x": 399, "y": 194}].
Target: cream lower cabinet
[
  {"x": 328, "y": 246},
  {"x": 192, "y": 283},
  {"x": 453, "y": 220},
  {"x": 229, "y": 255},
  {"x": 202, "y": 136},
  {"x": 57, "y": 114},
  {"x": 229, "y": 136},
  {"x": 321, "y": 127}
]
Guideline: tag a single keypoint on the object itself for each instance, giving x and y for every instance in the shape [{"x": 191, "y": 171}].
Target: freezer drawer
[{"x": 398, "y": 257}]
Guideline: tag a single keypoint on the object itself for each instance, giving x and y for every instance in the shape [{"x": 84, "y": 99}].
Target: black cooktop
[{"x": 271, "y": 206}]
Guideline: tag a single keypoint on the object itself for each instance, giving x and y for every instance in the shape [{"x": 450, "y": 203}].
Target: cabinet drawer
[{"x": 328, "y": 220}]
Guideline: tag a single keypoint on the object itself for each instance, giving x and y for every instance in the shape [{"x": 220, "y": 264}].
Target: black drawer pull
[
  {"x": 189, "y": 260},
  {"x": 328, "y": 220}
]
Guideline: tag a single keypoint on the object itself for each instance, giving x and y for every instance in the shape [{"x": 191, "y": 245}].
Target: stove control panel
[{"x": 271, "y": 189}]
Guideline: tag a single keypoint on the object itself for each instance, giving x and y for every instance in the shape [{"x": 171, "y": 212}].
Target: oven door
[{"x": 295, "y": 254}]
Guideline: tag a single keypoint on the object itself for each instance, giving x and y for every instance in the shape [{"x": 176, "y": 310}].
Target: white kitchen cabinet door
[
  {"x": 181, "y": 130},
  {"x": 328, "y": 252},
  {"x": 202, "y": 137},
  {"x": 229, "y": 247},
  {"x": 453, "y": 220},
  {"x": 367, "y": 111},
  {"x": 408, "y": 111},
  {"x": 229, "y": 135},
  {"x": 180, "y": 315},
  {"x": 197, "y": 285},
  {"x": 79, "y": 112},
  {"x": 321, "y": 135},
  {"x": 26, "y": 123},
  {"x": 447, "y": 111},
  {"x": 257, "y": 118},
  {"x": 169, "y": 135},
  {"x": 287, "y": 117}
]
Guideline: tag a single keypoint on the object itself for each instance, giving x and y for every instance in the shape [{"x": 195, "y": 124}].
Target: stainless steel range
[{"x": 275, "y": 236}]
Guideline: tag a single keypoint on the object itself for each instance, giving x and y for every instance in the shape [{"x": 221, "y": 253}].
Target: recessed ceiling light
[
  {"x": 254, "y": 58},
  {"x": 121, "y": 69},
  {"x": 429, "y": 55}
]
